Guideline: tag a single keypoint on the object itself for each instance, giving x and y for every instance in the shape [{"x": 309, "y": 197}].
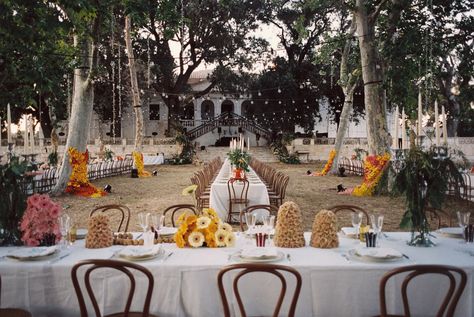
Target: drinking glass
[
  {"x": 356, "y": 221},
  {"x": 143, "y": 221},
  {"x": 377, "y": 224},
  {"x": 250, "y": 220},
  {"x": 64, "y": 222},
  {"x": 463, "y": 218},
  {"x": 157, "y": 223}
]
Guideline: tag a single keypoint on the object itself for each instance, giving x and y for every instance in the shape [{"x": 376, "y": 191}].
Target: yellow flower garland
[
  {"x": 79, "y": 181},
  {"x": 138, "y": 159},
  {"x": 373, "y": 170},
  {"x": 328, "y": 165}
]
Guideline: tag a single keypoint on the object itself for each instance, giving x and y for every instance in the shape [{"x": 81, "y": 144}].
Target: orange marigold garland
[
  {"x": 373, "y": 170},
  {"x": 79, "y": 181},
  {"x": 328, "y": 165},
  {"x": 138, "y": 160}
]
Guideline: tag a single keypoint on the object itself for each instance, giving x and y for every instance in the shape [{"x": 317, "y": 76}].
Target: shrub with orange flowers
[
  {"x": 138, "y": 160},
  {"x": 328, "y": 165},
  {"x": 203, "y": 230},
  {"x": 79, "y": 181},
  {"x": 373, "y": 171}
]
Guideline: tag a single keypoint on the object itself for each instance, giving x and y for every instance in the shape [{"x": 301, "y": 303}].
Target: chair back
[
  {"x": 267, "y": 268},
  {"x": 454, "y": 292},
  {"x": 122, "y": 210},
  {"x": 176, "y": 210},
  {"x": 350, "y": 208},
  {"x": 272, "y": 210},
  {"x": 238, "y": 190},
  {"x": 121, "y": 266}
]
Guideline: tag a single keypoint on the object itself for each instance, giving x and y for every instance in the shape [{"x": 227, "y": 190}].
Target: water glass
[
  {"x": 250, "y": 220},
  {"x": 64, "y": 222},
  {"x": 463, "y": 218},
  {"x": 356, "y": 221},
  {"x": 377, "y": 224},
  {"x": 143, "y": 221}
]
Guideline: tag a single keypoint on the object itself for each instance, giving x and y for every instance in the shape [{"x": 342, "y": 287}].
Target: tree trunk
[
  {"x": 137, "y": 106},
  {"x": 81, "y": 108},
  {"x": 377, "y": 134}
]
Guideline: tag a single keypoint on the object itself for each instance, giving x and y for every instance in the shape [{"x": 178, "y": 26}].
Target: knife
[
  {"x": 166, "y": 257},
  {"x": 59, "y": 258}
]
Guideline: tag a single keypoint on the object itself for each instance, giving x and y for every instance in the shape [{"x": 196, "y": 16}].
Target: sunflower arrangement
[
  {"x": 138, "y": 160},
  {"x": 328, "y": 165},
  {"x": 79, "y": 181},
  {"x": 203, "y": 230},
  {"x": 373, "y": 169}
]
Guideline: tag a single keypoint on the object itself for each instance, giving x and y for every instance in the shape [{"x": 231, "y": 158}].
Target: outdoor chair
[
  {"x": 246, "y": 268},
  {"x": 237, "y": 190},
  {"x": 122, "y": 210},
  {"x": 277, "y": 197},
  {"x": 272, "y": 210},
  {"x": 173, "y": 212},
  {"x": 453, "y": 293},
  {"x": 352, "y": 209},
  {"x": 121, "y": 266},
  {"x": 12, "y": 312}
]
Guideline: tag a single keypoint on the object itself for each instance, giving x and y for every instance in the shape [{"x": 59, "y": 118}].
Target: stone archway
[
  {"x": 247, "y": 110},
  {"x": 227, "y": 106},
  {"x": 207, "y": 110}
]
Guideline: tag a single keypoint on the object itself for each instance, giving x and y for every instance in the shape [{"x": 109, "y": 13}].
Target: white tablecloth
[
  {"x": 153, "y": 159},
  {"x": 219, "y": 197},
  {"x": 186, "y": 283}
]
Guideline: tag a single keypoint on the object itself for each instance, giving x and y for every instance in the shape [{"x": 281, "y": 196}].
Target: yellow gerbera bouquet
[{"x": 204, "y": 230}]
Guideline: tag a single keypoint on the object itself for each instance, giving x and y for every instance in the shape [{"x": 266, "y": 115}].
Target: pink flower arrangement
[{"x": 40, "y": 220}]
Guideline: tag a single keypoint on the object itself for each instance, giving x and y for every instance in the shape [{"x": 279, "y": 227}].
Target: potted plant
[{"x": 423, "y": 179}]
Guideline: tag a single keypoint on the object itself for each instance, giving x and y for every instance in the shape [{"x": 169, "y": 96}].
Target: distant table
[
  {"x": 153, "y": 159},
  {"x": 219, "y": 197}
]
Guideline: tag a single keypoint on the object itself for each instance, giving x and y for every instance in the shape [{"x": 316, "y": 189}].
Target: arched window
[
  {"x": 247, "y": 110},
  {"x": 207, "y": 110},
  {"x": 227, "y": 106}
]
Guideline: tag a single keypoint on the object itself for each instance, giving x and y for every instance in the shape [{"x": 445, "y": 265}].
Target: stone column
[
  {"x": 197, "y": 112},
  {"x": 238, "y": 106},
  {"x": 217, "y": 106}
]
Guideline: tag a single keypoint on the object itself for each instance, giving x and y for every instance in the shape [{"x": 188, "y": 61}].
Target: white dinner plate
[
  {"x": 140, "y": 253},
  {"x": 452, "y": 232},
  {"x": 262, "y": 259},
  {"x": 33, "y": 254},
  {"x": 376, "y": 254}
]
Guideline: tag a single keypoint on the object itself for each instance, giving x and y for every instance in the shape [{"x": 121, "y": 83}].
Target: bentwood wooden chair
[
  {"x": 127, "y": 268},
  {"x": 173, "y": 212},
  {"x": 272, "y": 210},
  {"x": 457, "y": 282},
  {"x": 351, "y": 209},
  {"x": 121, "y": 210},
  {"x": 237, "y": 190},
  {"x": 12, "y": 312},
  {"x": 273, "y": 269}
]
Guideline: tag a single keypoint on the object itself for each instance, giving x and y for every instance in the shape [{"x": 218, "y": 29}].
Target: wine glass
[
  {"x": 143, "y": 221},
  {"x": 250, "y": 220},
  {"x": 356, "y": 221},
  {"x": 64, "y": 222},
  {"x": 463, "y": 220},
  {"x": 157, "y": 223},
  {"x": 377, "y": 223}
]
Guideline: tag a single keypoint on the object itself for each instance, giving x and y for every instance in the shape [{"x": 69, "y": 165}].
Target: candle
[
  {"x": 420, "y": 114},
  {"x": 0, "y": 132},
  {"x": 404, "y": 134},
  {"x": 9, "y": 124},
  {"x": 32, "y": 136},
  {"x": 445, "y": 125},
  {"x": 248, "y": 144},
  {"x": 396, "y": 123},
  {"x": 25, "y": 139},
  {"x": 40, "y": 136},
  {"x": 436, "y": 123}
]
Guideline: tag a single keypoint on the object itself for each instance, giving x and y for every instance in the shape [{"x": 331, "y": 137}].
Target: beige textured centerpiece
[
  {"x": 324, "y": 233},
  {"x": 99, "y": 234},
  {"x": 289, "y": 227}
]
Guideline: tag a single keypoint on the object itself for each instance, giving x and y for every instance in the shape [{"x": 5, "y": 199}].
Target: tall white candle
[
  {"x": 40, "y": 135},
  {"x": 0, "y": 132},
  {"x": 25, "y": 142},
  {"x": 248, "y": 144},
  {"x": 9, "y": 124},
  {"x": 404, "y": 134},
  {"x": 396, "y": 122},
  {"x": 420, "y": 114},
  {"x": 32, "y": 135},
  {"x": 445, "y": 125},
  {"x": 436, "y": 123}
]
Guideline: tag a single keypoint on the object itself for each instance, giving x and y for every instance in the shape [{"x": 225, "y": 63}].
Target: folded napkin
[
  {"x": 379, "y": 253},
  {"x": 34, "y": 252},
  {"x": 259, "y": 253},
  {"x": 139, "y": 251}
]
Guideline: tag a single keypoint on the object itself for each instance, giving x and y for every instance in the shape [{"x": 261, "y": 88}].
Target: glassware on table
[
  {"x": 377, "y": 224},
  {"x": 269, "y": 225},
  {"x": 463, "y": 221},
  {"x": 250, "y": 220},
  {"x": 64, "y": 222},
  {"x": 356, "y": 218},
  {"x": 143, "y": 221},
  {"x": 157, "y": 222}
]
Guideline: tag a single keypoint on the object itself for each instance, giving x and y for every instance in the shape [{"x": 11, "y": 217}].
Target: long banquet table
[
  {"x": 186, "y": 283},
  {"x": 219, "y": 196}
]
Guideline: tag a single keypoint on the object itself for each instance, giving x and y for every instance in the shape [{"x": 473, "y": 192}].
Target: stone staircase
[{"x": 261, "y": 153}]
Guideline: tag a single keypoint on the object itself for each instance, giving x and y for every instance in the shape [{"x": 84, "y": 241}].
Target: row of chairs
[
  {"x": 203, "y": 179},
  {"x": 456, "y": 276},
  {"x": 276, "y": 181},
  {"x": 354, "y": 167}
]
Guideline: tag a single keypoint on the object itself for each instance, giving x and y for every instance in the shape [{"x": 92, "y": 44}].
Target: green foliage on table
[
  {"x": 424, "y": 180},
  {"x": 12, "y": 199},
  {"x": 239, "y": 159}
]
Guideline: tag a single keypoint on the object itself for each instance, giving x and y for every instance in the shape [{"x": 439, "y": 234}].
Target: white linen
[
  {"x": 186, "y": 283},
  {"x": 153, "y": 159},
  {"x": 219, "y": 195}
]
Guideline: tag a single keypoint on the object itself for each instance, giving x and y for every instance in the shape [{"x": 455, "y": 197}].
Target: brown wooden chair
[
  {"x": 121, "y": 266},
  {"x": 122, "y": 210},
  {"x": 12, "y": 312},
  {"x": 177, "y": 210},
  {"x": 272, "y": 210},
  {"x": 350, "y": 208},
  {"x": 436, "y": 216},
  {"x": 277, "y": 197},
  {"x": 238, "y": 190},
  {"x": 265, "y": 268},
  {"x": 450, "y": 301}
]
